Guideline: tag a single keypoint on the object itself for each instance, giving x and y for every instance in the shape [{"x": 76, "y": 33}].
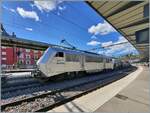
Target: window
[
  {"x": 41, "y": 52},
  {"x": 27, "y": 62},
  {"x": 107, "y": 60},
  {"x": 21, "y": 56},
  {"x": 27, "y": 50},
  {"x": 28, "y": 56},
  {"x": 36, "y": 57},
  {"x": 59, "y": 54},
  {"x": 18, "y": 53},
  {"x": 3, "y": 47},
  {"x": 20, "y": 61},
  {"x": 72, "y": 58},
  {"x": 142, "y": 36},
  {"x": 35, "y": 51},
  {"x": 3, "y": 61},
  {"x": 3, "y": 65},
  {"x": 146, "y": 10},
  {"x": 94, "y": 59},
  {"x": 20, "y": 49},
  {"x": 4, "y": 58},
  {"x": 3, "y": 53},
  {"x": 110, "y": 60}
]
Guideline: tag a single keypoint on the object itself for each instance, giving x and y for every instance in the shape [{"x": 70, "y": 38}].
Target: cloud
[
  {"x": 93, "y": 43},
  {"x": 29, "y": 29},
  {"x": 106, "y": 43},
  {"x": 101, "y": 52},
  {"x": 32, "y": 5},
  {"x": 12, "y": 10},
  {"x": 61, "y": 8},
  {"x": 117, "y": 49},
  {"x": 121, "y": 39},
  {"x": 27, "y": 14},
  {"x": 93, "y": 37},
  {"x": 101, "y": 28},
  {"x": 5, "y": 7},
  {"x": 9, "y": 9},
  {"x": 123, "y": 49},
  {"x": 48, "y": 5},
  {"x": 58, "y": 13}
]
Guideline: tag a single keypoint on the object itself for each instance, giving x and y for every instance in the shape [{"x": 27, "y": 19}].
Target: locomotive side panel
[
  {"x": 108, "y": 63},
  {"x": 64, "y": 62},
  {"x": 93, "y": 63},
  {"x": 44, "y": 62},
  {"x": 72, "y": 62},
  {"x": 57, "y": 65}
]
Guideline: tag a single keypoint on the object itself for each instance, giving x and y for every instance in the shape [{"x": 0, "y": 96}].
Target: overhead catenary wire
[
  {"x": 62, "y": 18},
  {"x": 69, "y": 21},
  {"x": 76, "y": 9}
]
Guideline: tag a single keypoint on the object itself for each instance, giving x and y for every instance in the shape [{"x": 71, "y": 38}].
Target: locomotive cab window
[{"x": 59, "y": 54}]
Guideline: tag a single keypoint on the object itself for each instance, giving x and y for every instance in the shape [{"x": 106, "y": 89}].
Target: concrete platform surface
[
  {"x": 95, "y": 100},
  {"x": 134, "y": 98}
]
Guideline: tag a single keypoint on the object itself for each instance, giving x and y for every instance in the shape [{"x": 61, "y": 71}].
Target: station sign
[{"x": 142, "y": 36}]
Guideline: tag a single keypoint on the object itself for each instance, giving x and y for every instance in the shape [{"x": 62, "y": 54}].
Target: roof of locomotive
[{"x": 76, "y": 51}]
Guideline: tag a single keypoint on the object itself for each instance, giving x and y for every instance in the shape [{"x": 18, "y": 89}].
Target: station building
[
  {"x": 15, "y": 57},
  {"x": 12, "y": 57}
]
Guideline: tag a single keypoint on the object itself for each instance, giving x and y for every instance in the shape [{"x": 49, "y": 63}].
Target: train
[{"x": 60, "y": 60}]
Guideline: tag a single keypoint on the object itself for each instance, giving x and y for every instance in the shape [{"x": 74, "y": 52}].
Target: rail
[{"x": 62, "y": 96}]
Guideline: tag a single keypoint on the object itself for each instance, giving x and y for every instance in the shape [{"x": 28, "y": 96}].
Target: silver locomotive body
[{"x": 59, "y": 60}]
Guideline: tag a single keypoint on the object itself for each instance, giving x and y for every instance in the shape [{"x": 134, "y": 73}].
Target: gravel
[
  {"x": 48, "y": 87},
  {"x": 50, "y": 99}
]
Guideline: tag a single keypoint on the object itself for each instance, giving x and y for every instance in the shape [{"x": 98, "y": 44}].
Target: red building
[{"x": 12, "y": 57}]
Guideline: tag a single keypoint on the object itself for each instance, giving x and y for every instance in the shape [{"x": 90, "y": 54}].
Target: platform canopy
[{"x": 130, "y": 18}]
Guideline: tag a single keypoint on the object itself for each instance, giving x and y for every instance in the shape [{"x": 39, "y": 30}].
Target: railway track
[
  {"x": 19, "y": 87},
  {"x": 14, "y": 85},
  {"x": 46, "y": 101},
  {"x": 31, "y": 88},
  {"x": 11, "y": 81}
]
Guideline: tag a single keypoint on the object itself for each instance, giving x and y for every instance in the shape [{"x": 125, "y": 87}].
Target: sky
[{"x": 54, "y": 20}]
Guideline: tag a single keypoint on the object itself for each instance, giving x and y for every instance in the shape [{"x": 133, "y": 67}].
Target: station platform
[
  {"x": 17, "y": 70},
  {"x": 129, "y": 94},
  {"x": 134, "y": 98}
]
